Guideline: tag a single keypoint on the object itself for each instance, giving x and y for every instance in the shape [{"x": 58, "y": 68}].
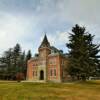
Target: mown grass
[{"x": 50, "y": 91}]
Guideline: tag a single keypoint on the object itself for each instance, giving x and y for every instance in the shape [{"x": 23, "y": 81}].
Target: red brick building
[{"x": 48, "y": 65}]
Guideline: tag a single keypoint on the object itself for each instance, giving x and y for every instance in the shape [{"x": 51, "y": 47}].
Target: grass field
[{"x": 50, "y": 91}]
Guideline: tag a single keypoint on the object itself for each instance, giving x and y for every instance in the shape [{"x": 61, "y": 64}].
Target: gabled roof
[{"x": 45, "y": 42}]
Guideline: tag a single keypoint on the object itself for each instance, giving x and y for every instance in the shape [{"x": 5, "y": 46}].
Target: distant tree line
[
  {"x": 84, "y": 58},
  {"x": 16, "y": 63}
]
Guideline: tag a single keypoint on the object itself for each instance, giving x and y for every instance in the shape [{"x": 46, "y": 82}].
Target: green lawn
[{"x": 50, "y": 91}]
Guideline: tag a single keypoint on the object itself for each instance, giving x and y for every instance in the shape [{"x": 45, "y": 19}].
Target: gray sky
[{"x": 26, "y": 21}]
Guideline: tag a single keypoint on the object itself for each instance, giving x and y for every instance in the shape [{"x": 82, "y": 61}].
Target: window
[
  {"x": 51, "y": 72},
  {"x": 33, "y": 73},
  {"x": 54, "y": 72}
]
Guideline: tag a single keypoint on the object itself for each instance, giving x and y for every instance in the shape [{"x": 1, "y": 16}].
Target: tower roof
[{"x": 45, "y": 42}]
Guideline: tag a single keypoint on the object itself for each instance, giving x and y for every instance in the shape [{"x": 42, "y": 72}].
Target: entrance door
[{"x": 41, "y": 75}]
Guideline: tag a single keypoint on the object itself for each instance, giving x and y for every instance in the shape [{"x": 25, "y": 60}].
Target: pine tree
[
  {"x": 16, "y": 62},
  {"x": 22, "y": 62},
  {"x": 16, "y": 54},
  {"x": 83, "y": 58},
  {"x": 29, "y": 55},
  {"x": 6, "y": 59}
]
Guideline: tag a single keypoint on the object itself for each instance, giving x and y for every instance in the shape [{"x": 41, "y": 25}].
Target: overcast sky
[{"x": 26, "y": 21}]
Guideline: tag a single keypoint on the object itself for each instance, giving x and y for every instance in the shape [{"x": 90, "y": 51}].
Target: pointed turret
[{"x": 45, "y": 42}]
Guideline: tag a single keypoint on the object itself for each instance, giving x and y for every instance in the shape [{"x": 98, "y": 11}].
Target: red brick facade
[{"x": 48, "y": 65}]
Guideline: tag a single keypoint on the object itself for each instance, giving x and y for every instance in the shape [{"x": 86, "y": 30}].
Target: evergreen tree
[
  {"x": 83, "y": 58},
  {"x": 16, "y": 54},
  {"x": 15, "y": 61},
  {"x": 29, "y": 55},
  {"x": 7, "y": 57},
  {"x": 22, "y": 62}
]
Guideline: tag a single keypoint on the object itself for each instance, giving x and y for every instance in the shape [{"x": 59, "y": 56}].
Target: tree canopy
[
  {"x": 83, "y": 53},
  {"x": 16, "y": 62}
]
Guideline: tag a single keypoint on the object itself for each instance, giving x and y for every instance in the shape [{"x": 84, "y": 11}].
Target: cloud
[
  {"x": 12, "y": 30},
  {"x": 25, "y": 21}
]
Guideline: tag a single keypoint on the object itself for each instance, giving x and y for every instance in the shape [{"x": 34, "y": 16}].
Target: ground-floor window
[{"x": 52, "y": 72}]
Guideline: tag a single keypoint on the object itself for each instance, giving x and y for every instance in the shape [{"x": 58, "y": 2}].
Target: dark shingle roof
[{"x": 45, "y": 42}]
